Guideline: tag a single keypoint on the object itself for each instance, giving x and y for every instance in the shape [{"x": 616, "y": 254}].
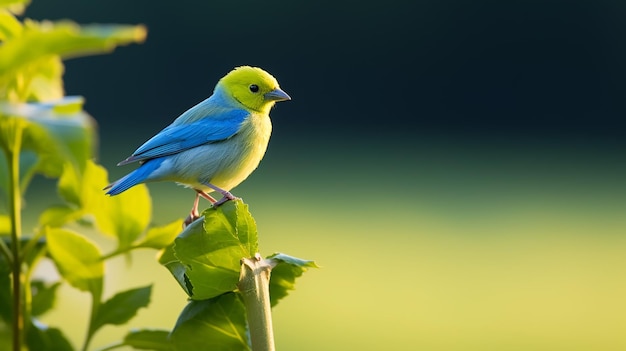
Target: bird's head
[{"x": 253, "y": 87}]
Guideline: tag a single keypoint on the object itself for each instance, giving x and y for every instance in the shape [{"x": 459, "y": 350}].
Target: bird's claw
[
  {"x": 190, "y": 219},
  {"x": 227, "y": 197},
  {"x": 193, "y": 215}
]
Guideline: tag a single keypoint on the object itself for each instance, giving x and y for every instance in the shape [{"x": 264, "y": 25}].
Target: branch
[{"x": 254, "y": 286}]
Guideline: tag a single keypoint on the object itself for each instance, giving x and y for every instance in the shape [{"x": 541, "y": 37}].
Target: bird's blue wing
[{"x": 180, "y": 137}]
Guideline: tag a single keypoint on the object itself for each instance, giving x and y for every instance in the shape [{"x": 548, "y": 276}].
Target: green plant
[{"x": 43, "y": 132}]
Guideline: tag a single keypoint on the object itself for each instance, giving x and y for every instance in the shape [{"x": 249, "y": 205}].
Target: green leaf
[
  {"x": 57, "y": 216},
  {"x": 5, "y": 225},
  {"x": 28, "y": 165},
  {"x": 46, "y": 79},
  {"x": 122, "y": 307},
  {"x": 239, "y": 217},
  {"x": 70, "y": 188},
  {"x": 10, "y": 27},
  {"x": 217, "y": 324},
  {"x": 211, "y": 253},
  {"x": 77, "y": 259},
  {"x": 60, "y": 135},
  {"x": 30, "y": 54},
  {"x": 34, "y": 249},
  {"x": 15, "y": 6},
  {"x": 44, "y": 296},
  {"x": 43, "y": 338},
  {"x": 168, "y": 259},
  {"x": 286, "y": 270},
  {"x": 55, "y": 134},
  {"x": 160, "y": 237},
  {"x": 148, "y": 339},
  {"x": 66, "y": 39},
  {"x": 125, "y": 216}
]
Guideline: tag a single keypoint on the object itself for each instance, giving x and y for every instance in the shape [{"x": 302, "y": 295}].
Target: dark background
[{"x": 479, "y": 68}]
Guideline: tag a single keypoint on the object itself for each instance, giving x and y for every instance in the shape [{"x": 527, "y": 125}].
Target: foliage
[
  {"x": 43, "y": 132},
  {"x": 205, "y": 260}
]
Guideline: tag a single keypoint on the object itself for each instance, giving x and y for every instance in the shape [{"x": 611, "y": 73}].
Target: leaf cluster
[
  {"x": 205, "y": 260},
  {"x": 45, "y": 133}
]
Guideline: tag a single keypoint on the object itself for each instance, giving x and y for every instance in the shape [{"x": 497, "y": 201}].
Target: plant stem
[
  {"x": 28, "y": 294},
  {"x": 95, "y": 304},
  {"x": 15, "y": 207},
  {"x": 112, "y": 347},
  {"x": 118, "y": 252},
  {"x": 254, "y": 284},
  {"x": 6, "y": 251}
]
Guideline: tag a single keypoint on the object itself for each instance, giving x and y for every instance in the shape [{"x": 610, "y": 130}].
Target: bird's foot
[
  {"x": 190, "y": 219},
  {"x": 194, "y": 214},
  {"x": 227, "y": 197}
]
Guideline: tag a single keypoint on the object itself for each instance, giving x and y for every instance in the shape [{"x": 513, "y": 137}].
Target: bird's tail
[{"x": 138, "y": 176}]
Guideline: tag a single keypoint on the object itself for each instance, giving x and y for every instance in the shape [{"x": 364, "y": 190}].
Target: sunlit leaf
[
  {"x": 46, "y": 79},
  {"x": 44, "y": 296},
  {"x": 35, "y": 253},
  {"x": 201, "y": 278},
  {"x": 286, "y": 270},
  {"x": 128, "y": 214},
  {"x": 122, "y": 307},
  {"x": 149, "y": 339},
  {"x": 10, "y": 27},
  {"x": 168, "y": 259},
  {"x": 69, "y": 187},
  {"x": 77, "y": 259},
  {"x": 59, "y": 133},
  {"x": 5, "y": 225},
  {"x": 211, "y": 250},
  {"x": 26, "y": 58},
  {"x": 124, "y": 217},
  {"x": 15, "y": 6},
  {"x": 66, "y": 39},
  {"x": 160, "y": 237},
  {"x": 57, "y": 216},
  {"x": 216, "y": 324},
  {"x": 237, "y": 214},
  {"x": 55, "y": 133},
  {"x": 9, "y": 127},
  {"x": 42, "y": 337}
]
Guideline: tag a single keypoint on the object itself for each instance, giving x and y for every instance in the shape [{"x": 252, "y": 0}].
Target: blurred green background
[{"x": 457, "y": 168}]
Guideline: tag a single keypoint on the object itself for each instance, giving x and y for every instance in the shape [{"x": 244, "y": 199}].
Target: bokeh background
[{"x": 457, "y": 168}]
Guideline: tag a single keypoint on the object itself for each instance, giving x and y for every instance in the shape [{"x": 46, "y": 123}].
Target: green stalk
[
  {"x": 254, "y": 285},
  {"x": 112, "y": 347},
  {"x": 6, "y": 251},
  {"x": 95, "y": 305},
  {"x": 15, "y": 206},
  {"x": 28, "y": 294}
]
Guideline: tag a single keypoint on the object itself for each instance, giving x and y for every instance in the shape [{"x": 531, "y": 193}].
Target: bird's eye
[{"x": 254, "y": 88}]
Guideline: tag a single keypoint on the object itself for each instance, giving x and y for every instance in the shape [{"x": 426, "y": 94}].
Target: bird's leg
[
  {"x": 195, "y": 214},
  {"x": 226, "y": 195},
  {"x": 206, "y": 196}
]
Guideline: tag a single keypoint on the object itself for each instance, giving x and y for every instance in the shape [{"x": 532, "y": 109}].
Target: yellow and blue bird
[{"x": 216, "y": 144}]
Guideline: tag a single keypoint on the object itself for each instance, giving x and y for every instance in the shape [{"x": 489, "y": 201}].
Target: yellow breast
[{"x": 247, "y": 148}]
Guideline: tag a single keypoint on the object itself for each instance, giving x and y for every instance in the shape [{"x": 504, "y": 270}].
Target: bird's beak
[{"x": 276, "y": 95}]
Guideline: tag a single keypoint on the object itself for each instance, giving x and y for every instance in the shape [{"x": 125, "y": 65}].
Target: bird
[{"x": 213, "y": 146}]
